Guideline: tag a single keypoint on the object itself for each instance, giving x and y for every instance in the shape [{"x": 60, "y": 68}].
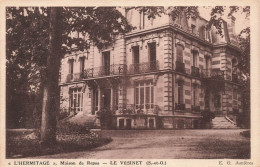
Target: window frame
[
  {"x": 76, "y": 99},
  {"x": 144, "y": 100}
]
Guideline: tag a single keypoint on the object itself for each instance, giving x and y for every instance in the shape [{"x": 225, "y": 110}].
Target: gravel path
[{"x": 168, "y": 144}]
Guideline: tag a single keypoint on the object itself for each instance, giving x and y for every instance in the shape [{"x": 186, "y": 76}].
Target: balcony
[
  {"x": 115, "y": 69},
  {"x": 195, "y": 71},
  {"x": 74, "y": 77},
  {"x": 180, "y": 106},
  {"x": 146, "y": 67},
  {"x": 214, "y": 74},
  {"x": 131, "y": 109},
  {"x": 180, "y": 67}
]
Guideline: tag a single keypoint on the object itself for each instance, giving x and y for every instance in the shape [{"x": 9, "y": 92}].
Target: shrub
[
  {"x": 207, "y": 116},
  {"x": 66, "y": 128},
  {"x": 61, "y": 115},
  {"x": 245, "y": 134}
]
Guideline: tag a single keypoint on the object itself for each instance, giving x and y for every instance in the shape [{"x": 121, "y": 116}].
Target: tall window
[
  {"x": 144, "y": 93},
  {"x": 193, "y": 27},
  {"x": 106, "y": 62},
  {"x": 234, "y": 66},
  {"x": 82, "y": 64},
  {"x": 71, "y": 64},
  {"x": 70, "y": 75},
  {"x": 179, "y": 50},
  {"x": 180, "y": 92},
  {"x": 135, "y": 54},
  {"x": 194, "y": 58},
  {"x": 152, "y": 55},
  {"x": 76, "y": 100},
  {"x": 136, "y": 58}
]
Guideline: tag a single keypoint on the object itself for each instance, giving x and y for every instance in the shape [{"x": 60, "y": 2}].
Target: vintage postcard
[{"x": 129, "y": 83}]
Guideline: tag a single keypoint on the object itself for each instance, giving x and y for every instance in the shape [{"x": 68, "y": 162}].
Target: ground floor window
[
  {"x": 144, "y": 95},
  {"x": 76, "y": 100}
]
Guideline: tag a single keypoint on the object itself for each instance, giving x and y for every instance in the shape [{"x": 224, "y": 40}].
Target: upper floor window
[
  {"x": 193, "y": 28},
  {"x": 71, "y": 66},
  {"x": 234, "y": 66},
  {"x": 152, "y": 51},
  {"x": 179, "y": 50},
  {"x": 82, "y": 64},
  {"x": 144, "y": 95},
  {"x": 207, "y": 62},
  {"x": 179, "y": 19},
  {"x": 207, "y": 34},
  {"x": 136, "y": 55},
  {"x": 152, "y": 55},
  {"x": 106, "y": 62},
  {"x": 194, "y": 58}
]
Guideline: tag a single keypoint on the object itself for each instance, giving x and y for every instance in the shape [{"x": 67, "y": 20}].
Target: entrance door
[
  {"x": 107, "y": 98},
  {"x": 106, "y": 62}
]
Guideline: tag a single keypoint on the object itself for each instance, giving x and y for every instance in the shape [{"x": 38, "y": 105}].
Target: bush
[
  {"x": 245, "y": 134},
  {"x": 67, "y": 128},
  {"x": 207, "y": 116},
  {"x": 61, "y": 115},
  {"x": 105, "y": 118}
]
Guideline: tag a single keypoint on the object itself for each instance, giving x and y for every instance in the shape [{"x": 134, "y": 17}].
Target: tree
[
  {"x": 51, "y": 89},
  {"x": 30, "y": 42}
]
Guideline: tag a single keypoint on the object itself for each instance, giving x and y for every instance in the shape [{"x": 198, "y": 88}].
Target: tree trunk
[{"x": 51, "y": 92}]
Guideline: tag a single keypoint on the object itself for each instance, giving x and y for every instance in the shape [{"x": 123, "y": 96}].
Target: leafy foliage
[{"x": 27, "y": 39}]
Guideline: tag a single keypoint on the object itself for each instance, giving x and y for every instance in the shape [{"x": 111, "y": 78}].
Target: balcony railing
[
  {"x": 180, "y": 67},
  {"x": 144, "y": 67},
  {"x": 212, "y": 74},
  {"x": 75, "y": 77},
  {"x": 131, "y": 109},
  {"x": 115, "y": 69},
  {"x": 195, "y": 71}
]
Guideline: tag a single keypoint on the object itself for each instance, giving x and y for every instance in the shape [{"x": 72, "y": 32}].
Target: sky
[{"x": 240, "y": 23}]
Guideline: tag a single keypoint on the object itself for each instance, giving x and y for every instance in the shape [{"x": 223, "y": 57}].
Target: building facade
[{"x": 163, "y": 74}]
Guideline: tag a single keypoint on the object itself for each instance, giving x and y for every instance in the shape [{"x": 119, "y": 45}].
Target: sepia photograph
[{"x": 127, "y": 82}]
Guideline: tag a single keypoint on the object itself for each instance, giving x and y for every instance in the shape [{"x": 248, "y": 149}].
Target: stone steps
[{"x": 222, "y": 122}]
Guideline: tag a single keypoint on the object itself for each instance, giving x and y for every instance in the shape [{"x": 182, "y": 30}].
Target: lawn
[{"x": 26, "y": 143}]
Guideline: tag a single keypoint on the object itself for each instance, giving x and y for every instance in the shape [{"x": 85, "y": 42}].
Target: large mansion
[{"x": 162, "y": 74}]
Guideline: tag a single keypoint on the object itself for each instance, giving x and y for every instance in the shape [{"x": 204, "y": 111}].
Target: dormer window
[{"x": 193, "y": 27}]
